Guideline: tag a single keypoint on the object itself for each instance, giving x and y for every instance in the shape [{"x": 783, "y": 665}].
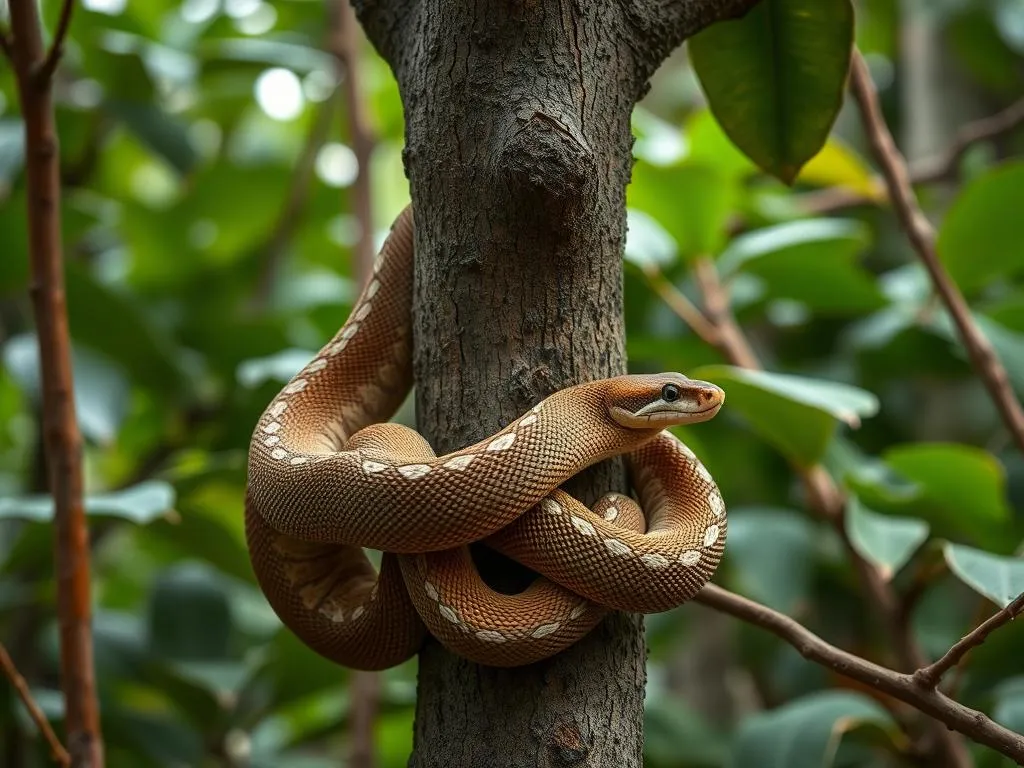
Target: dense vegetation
[{"x": 209, "y": 225}]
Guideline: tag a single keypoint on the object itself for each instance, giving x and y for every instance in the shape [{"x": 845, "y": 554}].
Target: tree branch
[
  {"x": 49, "y": 65},
  {"x": 661, "y": 26},
  {"x": 921, "y": 235},
  {"x": 930, "y": 676},
  {"x": 970, "y": 722},
  {"x": 62, "y": 439},
  {"x": 57, "y": 751},
  {"x": 681, "y": 305},
  {"x": 826, "y": 500},
  {"x": 939, "y": 168}
]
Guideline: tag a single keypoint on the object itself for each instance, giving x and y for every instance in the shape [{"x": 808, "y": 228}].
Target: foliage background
[{"x": 208, "y": 230}]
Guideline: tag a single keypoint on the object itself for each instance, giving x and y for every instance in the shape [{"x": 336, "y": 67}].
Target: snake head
[{"x": 660, "y": 400}]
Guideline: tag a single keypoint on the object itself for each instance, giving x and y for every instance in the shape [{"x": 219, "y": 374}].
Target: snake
[{"x": 329, "y": 476}]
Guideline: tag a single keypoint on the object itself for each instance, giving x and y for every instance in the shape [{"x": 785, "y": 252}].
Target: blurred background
[{"x": 210, "y": 230}]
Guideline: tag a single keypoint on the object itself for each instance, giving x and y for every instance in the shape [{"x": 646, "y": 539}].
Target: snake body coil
[{"x": 327, "y": 477}]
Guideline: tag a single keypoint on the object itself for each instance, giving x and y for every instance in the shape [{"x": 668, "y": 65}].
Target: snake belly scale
[{"x": 328, "y": 476}]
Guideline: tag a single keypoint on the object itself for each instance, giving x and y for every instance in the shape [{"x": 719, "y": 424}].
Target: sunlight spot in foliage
[
  {"x": 109, "y": 7},
  {"x": 336, "y": 165},
  {"x": 259, "y": 22},
  {"x": 279, "y": 94},
  {"x": 198, "y": 11}
]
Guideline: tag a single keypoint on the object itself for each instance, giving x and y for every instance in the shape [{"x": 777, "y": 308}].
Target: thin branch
[
  {"x": 921, "y": 235},
  {"x": 971, "y": 723},
  {"x": 62, "y": 439},
  {"x": 930, "y": 676},
  {"x": 57, "y": 751},
  {"x": 344, "y": 44},
  {"x": 731, "y": 341},
  {"x": 49, "y": 65},
  {"x": 938, "y": 168},
  {"x": 678, "y": 303}
]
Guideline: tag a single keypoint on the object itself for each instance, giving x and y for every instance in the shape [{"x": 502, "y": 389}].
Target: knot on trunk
[{"x": 545, "y": 154}]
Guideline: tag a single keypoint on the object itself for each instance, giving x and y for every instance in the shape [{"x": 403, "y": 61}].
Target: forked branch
[{"x": 970, "y": 722}]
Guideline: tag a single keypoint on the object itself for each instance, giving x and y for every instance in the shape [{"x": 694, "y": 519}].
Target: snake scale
[{"x": 328, "y": 476}]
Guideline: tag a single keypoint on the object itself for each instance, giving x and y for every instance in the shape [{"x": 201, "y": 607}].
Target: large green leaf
[
  {"x": 796, "y": 414},
  {"x": 956, "y": 485},
  {"x": 774, "y": 78},
  {"x": 1000, "y": 579},
  {"x": 691, "y": 201},
  {"x": 805, "y": 733},
  {"x": 100, "y": 388},
  {"x": 980, "y": 238},
  {"x": 887, "y": 542},
  {"x": 141, "y": 504},
  {"x": 811, "y": 261},
  {"x": 190, "y": 614},
  {"x": 771, "y": 554}
]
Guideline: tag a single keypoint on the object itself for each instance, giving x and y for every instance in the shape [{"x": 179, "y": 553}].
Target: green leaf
[
  {"x": 798, "y": 415},
  {"x": 691, "y": 201},
  {"x": 1000, "y": 579},
  {"x": 190, "y": 614},
  {"x": 981, "y": 235},
  {"x": 886, "y": 542},
  {"x": 774, "y": 79},
  {"x": 811, "y": 260},
  {"x": 964, "y": 485},
  {"x": 101, "y": 391},
  {"x": 139, "y": 504},
  {"x": 805, "y": 733},
  {"x": 771, "y": 553}
]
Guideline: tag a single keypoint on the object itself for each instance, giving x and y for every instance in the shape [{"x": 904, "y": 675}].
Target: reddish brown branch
[
  {"x": 49, "y": 65},
  {"x": 61, "y": 436},
  {"x": 939, "y": 168},
  {"x": 682, "y": 306},
  {"x": 57, "y": 751},
  {"x": 344, "y": 44},
  {"x": 971, "y": 723},
  {"x": 930, "y": 676},
  {"x": 921, "y": 235}
]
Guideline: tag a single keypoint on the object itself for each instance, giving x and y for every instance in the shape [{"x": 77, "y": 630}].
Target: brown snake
[{"x": 328, "y": 477}]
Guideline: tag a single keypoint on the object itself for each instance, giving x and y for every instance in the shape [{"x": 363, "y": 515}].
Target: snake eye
[{"x": 670, "y": 393}]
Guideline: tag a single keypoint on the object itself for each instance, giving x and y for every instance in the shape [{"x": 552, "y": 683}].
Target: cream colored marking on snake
[{"x": 328, "y": 476}]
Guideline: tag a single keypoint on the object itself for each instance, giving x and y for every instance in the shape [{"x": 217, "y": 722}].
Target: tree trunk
[{"x": 518, "y": 154}]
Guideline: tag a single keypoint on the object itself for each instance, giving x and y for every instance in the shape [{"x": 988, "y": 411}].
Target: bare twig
[
  {"x": 938, "y": 168},
  {"x": 344, "y": 44},
  {"x": 57, "y": 751},
  {"x": 922, "y": 238},
  {"x": 971, "y": 723},
  {"x": 678, "y": 303},
  {"x": 731, "y": 341},
  {"x": 62, "y": 438},
  {"x": 49, "y": 65},
  {"x": 930, "y": 676}
]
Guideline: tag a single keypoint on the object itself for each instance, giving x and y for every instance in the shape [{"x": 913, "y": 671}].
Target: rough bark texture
[{"x": 518, "y": 153}]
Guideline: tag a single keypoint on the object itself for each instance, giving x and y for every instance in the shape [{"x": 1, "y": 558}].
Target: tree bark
[{"x": 518, "y": 152}]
